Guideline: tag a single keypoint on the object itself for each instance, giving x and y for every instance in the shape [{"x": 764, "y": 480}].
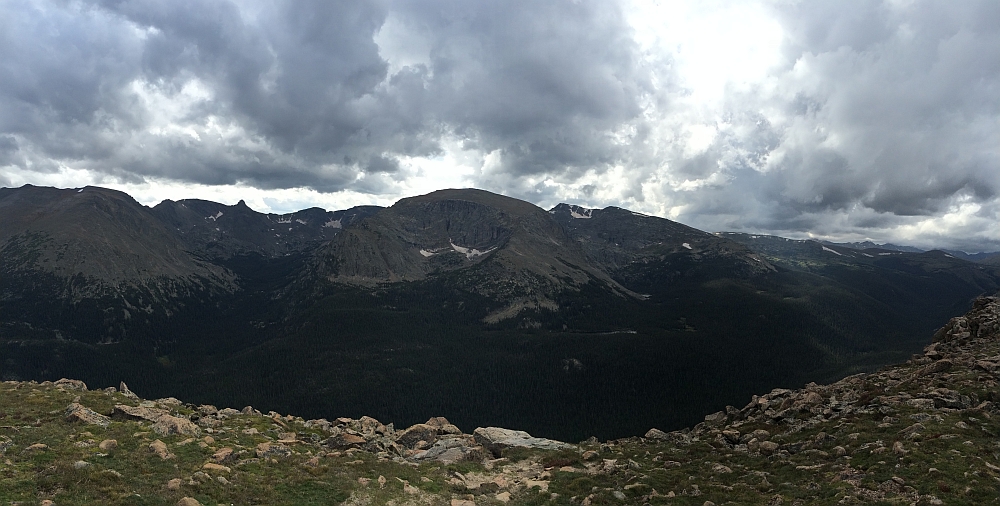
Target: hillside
[
  {"x": 923, "y": 432},
  {"x": 568, "y": 323}
]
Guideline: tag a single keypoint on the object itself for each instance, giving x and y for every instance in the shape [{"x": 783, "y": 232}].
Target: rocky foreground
[{"x": 924, "y": 432}]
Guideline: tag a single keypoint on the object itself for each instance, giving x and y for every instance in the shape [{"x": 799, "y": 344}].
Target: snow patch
[
  {"x": 884, "y": 254},
  {"x": 470, "y": 253},
  {"x": 583, "y": 214},
  {"x": 333, "y": 224},
  {"x": 832, "y": 251},
  {"x": 867, "y": 255},
  {"x": 686, "y": 245},
  {"x": 426, "y": 253},
  {"x": 303, "y": 222},
  {"x": 284, "y": 220},
  {"x": 215, "y": 216},
  {"x": 80, "y": 190},
  {"x": 640, "y": 214}
]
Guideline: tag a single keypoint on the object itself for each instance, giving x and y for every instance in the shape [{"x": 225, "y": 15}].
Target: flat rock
[
  {"x": 77, "y": 412},
  {"x": 496, "y": 439}
]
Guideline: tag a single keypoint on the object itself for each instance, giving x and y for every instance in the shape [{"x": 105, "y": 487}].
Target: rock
[
  {"x": 47, "y": 502},
  {"x": 207, "y": 410},
  {"x": 37, "y": 447},
  {"x": 618, "y": 494},
  {"x": 418, "y": 432},
  {"x": 68, "y": 384},
  {"x": 496, "y": 439},
  {"x": 812, "y": 398},
  {"x": 271, "y": 450},
  {"x": 898, "y": 449},
  {"x": 942, "y": 365},
  {"x": 160, "y": 449},
  {"x": 655, "y": 433},
  {"x": 123, "y": 388},
  {"x": 168, "y": 425},
  {"x": 590, "y": 455},
  {"x": 164, "y": 424},
  {"x": 186, "y": 501},
  {"x": 451, "y": 450},
  {"x": 80, "y": 464},
  {"x": 174, "y": 484},
  {"x": 108, "y": 445},
  {"x": 503, "y": 497},
  {"x": 211, "y": 466},
  {"x": 344, "y": 440},
  {"x": 443, "y": 425},
  {"x": 721, "y": 469},
  {"x": 77, "y": 412},
  {"x": 462, "y": 502},
  {"x": 839, "y": 451},
  {"x": 715, "y": 419},
  {"x": 223, "y": 455},
  {"x": 768, "y": 447},
  {"x": 732, "y": 436}
]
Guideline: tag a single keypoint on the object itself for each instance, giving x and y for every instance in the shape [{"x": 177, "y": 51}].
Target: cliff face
[{"x": 923, "y": 432}]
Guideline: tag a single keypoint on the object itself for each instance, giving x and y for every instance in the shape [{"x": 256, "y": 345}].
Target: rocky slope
[
  {"x": 220, "y": 231},
  {"x": 923, "y": 432}
]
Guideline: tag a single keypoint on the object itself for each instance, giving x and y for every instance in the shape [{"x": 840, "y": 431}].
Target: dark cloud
[{"x": 878, "y": 116}]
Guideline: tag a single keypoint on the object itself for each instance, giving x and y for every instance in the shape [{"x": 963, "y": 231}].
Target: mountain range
[{"x": 568, "y": 322}]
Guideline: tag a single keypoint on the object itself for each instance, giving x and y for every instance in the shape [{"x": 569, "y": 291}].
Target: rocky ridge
[{"x": 920, "y": 433}]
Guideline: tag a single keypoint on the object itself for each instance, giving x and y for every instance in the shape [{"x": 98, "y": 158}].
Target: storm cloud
[{"x": 843, "y": 120}]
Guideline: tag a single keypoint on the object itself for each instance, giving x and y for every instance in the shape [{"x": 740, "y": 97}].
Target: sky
[{"x": 840, "y": 120}]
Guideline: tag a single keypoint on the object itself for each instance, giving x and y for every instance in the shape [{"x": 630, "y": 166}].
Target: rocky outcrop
[
  {"x": 496, "y": 439},
  {"x": 163, "y": 422},
  {"x": 77, "y": 412}
]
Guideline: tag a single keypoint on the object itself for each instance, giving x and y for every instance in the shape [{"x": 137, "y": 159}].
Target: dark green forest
[{"x": 603, "y": 365}]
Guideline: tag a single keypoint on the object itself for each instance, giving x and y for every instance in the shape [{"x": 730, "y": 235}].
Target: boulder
[
  {"x": 68, "y": 384},
  {"x": 159, "y": 448},
  {"x": 443, "y": 426},
  {"x": 123, "y": 388},
  {"x": 496, "y": 439},
  {"x": 416, "y": 433},
  {"x": 77, "y": 412},
  {"x": 451, "y": 450},
  {"x": 655, "y": 433}
]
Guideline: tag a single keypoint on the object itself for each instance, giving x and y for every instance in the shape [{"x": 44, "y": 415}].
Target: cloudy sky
[{"x": 846, "y": 120}]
